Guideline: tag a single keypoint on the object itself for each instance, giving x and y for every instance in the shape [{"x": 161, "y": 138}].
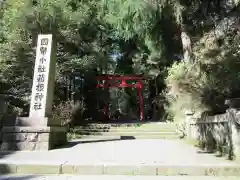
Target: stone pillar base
[{"x": 32, "y": 138}]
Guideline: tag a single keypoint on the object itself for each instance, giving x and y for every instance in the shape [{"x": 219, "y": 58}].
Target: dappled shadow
[
  {"x": 97, "y": 128},
  {"x": 205, "y": 152},
  {"x": 18, "y": 177},
  {"x": 212, "y": 152},
  {"x": 4, "y": 114},
  {"x": 86, "y": 141},
  {"x": 74, "y": 143},
  {"x": 4, "y": 167},
  {"x": 127, "y": 137},
  {"x": 103, "y": 129}
]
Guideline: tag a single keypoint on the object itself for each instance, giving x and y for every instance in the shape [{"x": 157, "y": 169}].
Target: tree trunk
[{"x": 186, "y": 45}]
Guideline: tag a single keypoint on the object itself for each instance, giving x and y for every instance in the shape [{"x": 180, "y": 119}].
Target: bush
[
  {"x": 63, "y": 112},
  {"x": 205, "y": 84},
  {"x": 66, "y": 112}
]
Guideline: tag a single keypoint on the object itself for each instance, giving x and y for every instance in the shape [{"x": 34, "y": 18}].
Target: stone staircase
[
  {"x": 151, "y": 157},
  {"x": 127, "y": 131}
]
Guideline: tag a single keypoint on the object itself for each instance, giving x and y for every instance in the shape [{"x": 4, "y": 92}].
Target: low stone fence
[{"x": 219, "y": 133}]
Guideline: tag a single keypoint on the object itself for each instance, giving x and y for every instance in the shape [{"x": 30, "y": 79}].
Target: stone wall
[
  {"x": 219, "y": 133},
  {"x": 16, "y": 135},
  {"x": 3, "y": 110},
  {"x": 32, "y": 138}
]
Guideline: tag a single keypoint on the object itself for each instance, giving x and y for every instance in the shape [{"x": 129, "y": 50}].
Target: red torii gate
[{"x": 123, "y": 79}]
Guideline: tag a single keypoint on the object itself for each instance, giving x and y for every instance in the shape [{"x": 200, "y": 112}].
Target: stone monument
[{"x": 39, "y": 131}]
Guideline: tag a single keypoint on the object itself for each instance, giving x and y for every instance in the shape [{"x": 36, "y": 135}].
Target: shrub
[
  {"x": 63, "y": 112},
  {"x": 66, "y": 112},
  {"x": 206, "y": 83}
]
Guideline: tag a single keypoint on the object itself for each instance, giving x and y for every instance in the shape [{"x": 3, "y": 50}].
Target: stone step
[
  {"x": 80, "y": 129},
  {"x": 125, "y": 137},
  {"x": 111, "y": 177},
  {"x": 149, "y": 126},
  {"x": 161, "y": 125},
  {"x": 120, "y": 169},
  {"x": 127, "y": 133}
]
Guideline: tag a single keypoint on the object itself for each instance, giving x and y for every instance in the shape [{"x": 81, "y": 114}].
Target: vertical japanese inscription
[
  {"x": 40, "y": 85},
  {"x": 41, "y": 74}
]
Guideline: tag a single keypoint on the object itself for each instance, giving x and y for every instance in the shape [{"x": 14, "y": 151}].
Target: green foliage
[
  {"x": 67, "y": 112},
  {"x": 138, "y": 18},
  {"x": 144, "y": 20},
  {"x": 146, "y": 33},
  {"x": 76, "y": 25},
  {"x": 206, "y": 84},
  {"x": 63, "y": 112}
]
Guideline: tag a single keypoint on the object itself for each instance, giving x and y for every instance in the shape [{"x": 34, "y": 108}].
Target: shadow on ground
[
  {"x": 86, "y": 141},
  {"x": 5, "y": 177},
  {"x": 8, "y": 118},
  {"x": 4, "y": 169},
  {"x": 96, "y": 128}
]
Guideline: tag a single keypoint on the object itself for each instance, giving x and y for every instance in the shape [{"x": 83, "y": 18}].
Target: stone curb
[{"x": 114, "y": 169}]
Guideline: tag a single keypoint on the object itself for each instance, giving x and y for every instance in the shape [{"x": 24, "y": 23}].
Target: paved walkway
[
  {"x": 125, "y": 151},
  {"x": 116, "y": 154},
  {"x": 30, "y": 177},
  {"x": 62, "y": 177}
]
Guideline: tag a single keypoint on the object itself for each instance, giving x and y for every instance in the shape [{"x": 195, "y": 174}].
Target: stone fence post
[
  {"x": 188, "y": 121},
  {"x": 190, "y": 124},
  {"x": 234, "y": 126}
]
